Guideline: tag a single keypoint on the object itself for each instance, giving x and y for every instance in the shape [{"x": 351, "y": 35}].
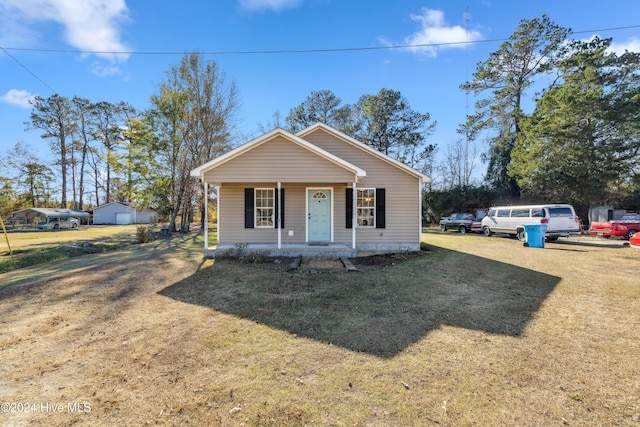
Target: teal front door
[{"x": 319, "y": 215}]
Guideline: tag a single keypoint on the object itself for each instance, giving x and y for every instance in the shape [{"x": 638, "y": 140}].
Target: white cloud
[
  {"x": 109, "y": 71},
  {"x": 275, "y": 5},
  {"x": 12, "y": 33},
  {"x": 89, "y": 25},
  {"x": 17, "y": 97},
  {"x": 105, "y": 71},
  {"x": 435, "y": 34},
  {"x": 632, "y": 44}
]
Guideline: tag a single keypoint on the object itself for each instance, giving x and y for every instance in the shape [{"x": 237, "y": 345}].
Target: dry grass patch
[
  {"x": 41, "y": 247},
  {"x": 37, "y": 239},
  {"x": 478, "y": 331}
]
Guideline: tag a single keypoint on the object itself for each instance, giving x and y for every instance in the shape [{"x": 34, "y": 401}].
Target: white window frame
[
  {"x": 257, "y": 218},
  {"x": 360, "y": 195}
]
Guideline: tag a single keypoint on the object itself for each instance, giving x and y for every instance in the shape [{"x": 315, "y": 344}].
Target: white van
[{"x": 561, "y": 220}]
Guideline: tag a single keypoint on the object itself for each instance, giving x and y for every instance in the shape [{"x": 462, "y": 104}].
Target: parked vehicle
[
  {"x": 634, "y": 241},
  {"x": 625, "y": 227},
  {"x": 561, "y": 220},
  {"x": 58, "y": 223},
  {"x": 462, "y": 222}
]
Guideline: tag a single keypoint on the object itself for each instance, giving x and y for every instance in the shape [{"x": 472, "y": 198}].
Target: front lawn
[{"x": 476, "y": 331}]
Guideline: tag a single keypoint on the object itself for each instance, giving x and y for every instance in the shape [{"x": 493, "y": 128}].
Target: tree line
[
  {"x": 114, "y": 153},
  {"x": 579, "y": 143}
]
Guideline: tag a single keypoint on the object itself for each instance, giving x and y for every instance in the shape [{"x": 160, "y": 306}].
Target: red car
[
  {"x": 634, "y": 241},
  {"x": 625, "y": 227}
]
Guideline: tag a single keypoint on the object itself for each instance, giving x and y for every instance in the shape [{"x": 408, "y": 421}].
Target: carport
[{"x": 31, "y": 216}]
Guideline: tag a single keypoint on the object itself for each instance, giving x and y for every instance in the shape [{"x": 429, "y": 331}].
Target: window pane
[
  {"x": 264, "y": 207},
  {"x": 366, "y": 203},
  {"x": 520, "y": 213},
  {"x": 556, "y": 212},
  {"x": 365, "y": 217}
]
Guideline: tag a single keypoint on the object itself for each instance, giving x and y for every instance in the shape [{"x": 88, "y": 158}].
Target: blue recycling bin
[{"x": 534, "y": 235}]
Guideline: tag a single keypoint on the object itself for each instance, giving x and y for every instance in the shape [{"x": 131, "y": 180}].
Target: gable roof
[
  {"x": 112, "y": 203},
  {"x": 364, "y": 147},
  {"x": 50, "y": 212},
  {"x": 200, "y": 170},
  {"x": 124, "y": 205}
]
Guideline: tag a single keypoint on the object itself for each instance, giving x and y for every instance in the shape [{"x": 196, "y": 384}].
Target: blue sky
[{"x": 429, "y": 77}]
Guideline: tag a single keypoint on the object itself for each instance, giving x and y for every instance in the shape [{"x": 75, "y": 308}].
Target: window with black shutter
[
  {"x": 249, "y": 212},
  {"x": 370, "y": 205},
  {"x": 262, "y": 206},
  {"x": 380, "y": 207},
  {"x": 349, "y": 208}
]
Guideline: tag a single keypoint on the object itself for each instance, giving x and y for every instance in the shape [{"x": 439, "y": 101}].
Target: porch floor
[{"x": 305, "y": 250}]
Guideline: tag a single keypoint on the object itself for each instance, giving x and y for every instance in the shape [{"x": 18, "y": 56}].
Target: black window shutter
[
  {"x": 282, "y": 207},
  {"x": 380, "y": 208},
  {"x": 248, "y": 208},
  {"x": 349, "y": 208},
  {"x": 279, "y": 206}
]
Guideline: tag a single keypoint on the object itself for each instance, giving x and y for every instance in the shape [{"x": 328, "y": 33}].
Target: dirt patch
[
  {"x": 383, "y": 260},
  {"x": 270, "y": 263}
]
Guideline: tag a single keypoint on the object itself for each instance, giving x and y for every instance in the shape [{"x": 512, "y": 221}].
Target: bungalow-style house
[
  {"x": 313, "y": 191},
  {"x": 118, "y": 213}
]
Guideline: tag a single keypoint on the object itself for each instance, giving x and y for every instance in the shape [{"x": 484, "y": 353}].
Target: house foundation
[{"x": 304, "y": 250}]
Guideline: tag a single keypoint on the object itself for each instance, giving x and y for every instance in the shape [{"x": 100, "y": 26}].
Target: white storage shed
[{"x": 118, "y": 213}]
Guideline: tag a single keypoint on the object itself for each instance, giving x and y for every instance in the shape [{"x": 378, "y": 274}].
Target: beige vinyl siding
[
  {"x": 231, "y": 217},
  {"x": 279, "y": 160},
  {"x": 295, "y": 210},
  {"x": 402, "y": 191}
]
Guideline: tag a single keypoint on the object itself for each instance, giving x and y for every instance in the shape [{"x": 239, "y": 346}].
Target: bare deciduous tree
[{"x": 194, "y": 112}]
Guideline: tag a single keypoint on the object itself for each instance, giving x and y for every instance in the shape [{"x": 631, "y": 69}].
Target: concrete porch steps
[{"x": 319, "y": 265}]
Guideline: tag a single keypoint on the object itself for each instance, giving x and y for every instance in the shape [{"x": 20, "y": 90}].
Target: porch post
[
  {"x": 206, "y": 216},
  {"x": 420, "y": 211},
  {"x": 354, "y": 216},
  {"x": 278, "y": 221}
]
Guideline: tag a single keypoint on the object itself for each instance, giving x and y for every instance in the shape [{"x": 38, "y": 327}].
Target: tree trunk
[
  {"x": 177, "y": 204},
  {"x": 63, "y": 166},
  {"x": 108, "y": 189}
]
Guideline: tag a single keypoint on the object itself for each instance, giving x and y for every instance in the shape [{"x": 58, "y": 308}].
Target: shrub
[
  {"x": 257, "y": 257},
  {"x": 241, "y": 249},
  {"x": 143, "y": 234}
]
